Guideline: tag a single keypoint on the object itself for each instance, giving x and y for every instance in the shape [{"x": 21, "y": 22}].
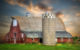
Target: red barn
[{"x": 15, "y": 35}]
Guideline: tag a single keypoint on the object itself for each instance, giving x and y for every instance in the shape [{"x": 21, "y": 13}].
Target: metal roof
[
  {"x": 35, "y": 23},
  {"x": 38, "y": 34},
  {"x": 63, "y": 34}
]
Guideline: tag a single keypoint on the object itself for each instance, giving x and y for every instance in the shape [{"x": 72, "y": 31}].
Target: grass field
[{"x": 39, "y": 47}]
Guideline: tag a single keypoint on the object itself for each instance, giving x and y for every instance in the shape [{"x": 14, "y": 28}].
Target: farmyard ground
[{"x": 39, "y": 47}]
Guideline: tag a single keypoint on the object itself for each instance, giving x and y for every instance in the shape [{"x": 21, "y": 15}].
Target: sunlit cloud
[
  {"x": 78, "y": 14},
  {"x": 35, "y": 10}
]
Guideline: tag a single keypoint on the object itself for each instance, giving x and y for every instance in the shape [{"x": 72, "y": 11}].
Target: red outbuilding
[{"x": 15, "y": 35}]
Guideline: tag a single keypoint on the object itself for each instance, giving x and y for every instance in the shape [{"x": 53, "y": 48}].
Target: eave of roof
[{"x": 38, "y": 34}]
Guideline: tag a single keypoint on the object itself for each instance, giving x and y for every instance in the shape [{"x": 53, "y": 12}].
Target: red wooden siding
[
  {"x": 64, "y": 40},
  {"x": 32, "y": 40},
  {"x": 59, "y": 40}
]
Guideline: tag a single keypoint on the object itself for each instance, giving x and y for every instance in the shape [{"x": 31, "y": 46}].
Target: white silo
[{"x": 49, "y": 29}]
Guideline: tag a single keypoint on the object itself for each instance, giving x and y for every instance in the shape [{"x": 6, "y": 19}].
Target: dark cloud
[
  {"x": 44, "y": 7},
  {"x": 59, "y": 14},
  {"x": 24, "y": 3}
]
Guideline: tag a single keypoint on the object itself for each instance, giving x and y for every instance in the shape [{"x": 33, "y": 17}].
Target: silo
[{"x": 48, "y": 29}]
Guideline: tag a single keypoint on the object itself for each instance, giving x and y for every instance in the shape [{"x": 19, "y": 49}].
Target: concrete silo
[{"x": 49, "y": 29}]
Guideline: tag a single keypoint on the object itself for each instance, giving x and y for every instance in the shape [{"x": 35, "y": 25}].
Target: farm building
[
  {"x": 15, "y": 35},
  {"x": 33, "y": 32}
]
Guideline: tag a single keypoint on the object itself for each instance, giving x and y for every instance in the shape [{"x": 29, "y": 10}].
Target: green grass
[{"x": 39, "y": 47}]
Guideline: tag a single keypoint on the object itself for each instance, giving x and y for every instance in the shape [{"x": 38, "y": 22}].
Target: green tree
[{"x": 75, "y": 39}]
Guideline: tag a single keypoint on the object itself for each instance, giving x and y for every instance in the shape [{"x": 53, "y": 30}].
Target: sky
[{"x": 67, "y": 10}]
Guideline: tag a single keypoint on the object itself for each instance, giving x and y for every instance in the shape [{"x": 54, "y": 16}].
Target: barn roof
[
  {"x": 34, "y": 34},
  {"x": 35, "y": 23},
  {"x": 63, "y": 34},
  {"x": 38, "y": 34}
]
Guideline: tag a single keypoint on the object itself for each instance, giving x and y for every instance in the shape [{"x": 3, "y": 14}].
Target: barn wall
[
  {"x": 32, "y": 40},
  {"x": 64, "y": 40}
]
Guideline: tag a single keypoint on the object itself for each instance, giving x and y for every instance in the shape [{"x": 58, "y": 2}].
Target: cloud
[
  {"x": 35, "y": 9},
  {"x": 64, "y": 18},
  {"x": 60, "y": 14},
  {"x": 76, "y": 0},
  {"x": 12, "y": 2},
  {"x": 78, "y": 14}
]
